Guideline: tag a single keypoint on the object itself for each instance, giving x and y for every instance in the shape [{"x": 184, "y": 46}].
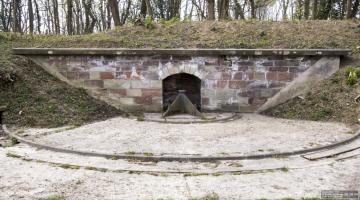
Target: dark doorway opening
[{"x": 183, "y": 81}]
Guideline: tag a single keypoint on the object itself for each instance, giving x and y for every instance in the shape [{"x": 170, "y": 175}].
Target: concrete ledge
[
  {"x": 142, "y": 157},
  {"x": 181, "y": 52}
]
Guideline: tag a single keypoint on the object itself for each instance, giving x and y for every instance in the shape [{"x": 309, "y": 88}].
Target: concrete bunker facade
[{"x": 234, "y": 80}]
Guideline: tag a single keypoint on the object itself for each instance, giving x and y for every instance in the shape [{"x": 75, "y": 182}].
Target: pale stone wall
[{"x": 229, "y": 83}]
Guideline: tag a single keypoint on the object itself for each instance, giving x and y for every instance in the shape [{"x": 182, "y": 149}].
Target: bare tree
[
  {"x": 252, "y": 9},
  {"x": 149, "y": 10},
  {"x": 69, "y": 17},
  {"x": 90, "y": 19},
  {"x": 306, "y": 9},
  {"x": 239, "y": 12},
  {"x": 210, "y": 9},
  {"x": 16, "y": 16},
  {"x": 38, "y": 18},
  {"x": 56, "y": 16},
  {"x": 223, "y": 6},
  {"x": 31, "y": 16},
  {"x": 348, "y": 9},
  {"x": 114, "y": 7},
  {"x": 314, "y": 9}
]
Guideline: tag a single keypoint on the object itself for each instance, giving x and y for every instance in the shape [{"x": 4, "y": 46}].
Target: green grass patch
[
  {"x": 53, "y": 197},
  {"x": 207, "y": 197},
  {"x": 195, "y": 174},
  {"x": 68, "y": 166},
  {"x": 12, "y": 155}
]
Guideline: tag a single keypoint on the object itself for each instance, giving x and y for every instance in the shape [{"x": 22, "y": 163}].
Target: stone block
[
  {"x": 257, "y": 101},
  {"x": 157, "y": 101},
  {"x": 248, "y": 75},
  {"x": 134, "y": 92},
  {"x": 229, "y": 107},
  {"x": 266, "y": 93},
  {"x": 107, "y": 75},
  {"x": 259, "y": 76},
  {"x": 84, "y": 75},
  {"x": 94, "y": 75},
  {"x": 208, "y": 84},
  {"x": 94, "y": 83},
  {"x": 127, "y": 101},
  {"x": 267, "y": 63},
  {"x": 257, "y": 84},
  {"x": 119, "y": 91},
  {"x": 150, "y": 75},
  {"x": 278, "y": 69},
  {"x": 243, "y": 68},
  {"x": 122, "y": 75},
  {"x": 221, "y": 84},
  {"x": 213, "y": 76},
  {"x": 115, "y": 84},
  {"x": 238, "y": 76},
  {"x": 152, "y": 92},
  {"x": 284, "y": 76},
  {"x": 281, "y": 63},
  {"x": 237, "y": 84},
  {"x": 72, "y": 75},
  {"x": 145, "y": 100},
  {"x": 141, "y": 84},
  {"x": 226, "y": 76},
  {"x": 247, "y": 109},
  {"x": 271, "y": 76},
  {"x": 156, "y": 84},
  {"x": 243, "y": 63},
  {"x": 205, "y": 101},
  {"x": 243, "y": 101}
]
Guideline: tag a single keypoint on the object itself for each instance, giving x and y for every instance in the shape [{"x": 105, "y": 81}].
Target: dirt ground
[
  {"x": 30, "y": 173},
  {"x": 251, "y": 134},
  {"x": 20, "y": 179}
]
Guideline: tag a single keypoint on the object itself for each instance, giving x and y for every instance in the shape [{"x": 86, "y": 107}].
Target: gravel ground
[
  {"x": 248, "y": 135},
  {"x": 32, "y": 180}
]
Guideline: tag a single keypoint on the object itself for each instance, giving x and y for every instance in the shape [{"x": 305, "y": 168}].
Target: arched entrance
[{"x": 182, "y": 81}]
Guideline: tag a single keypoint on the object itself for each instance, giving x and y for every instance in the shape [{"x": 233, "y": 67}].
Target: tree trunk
[
  {"x": 174, "y": 8},
  {"x": 115, "y": 12},
  {"x": 16, "y": 16},
  {"x": 239, "y": 13},
  {"x": 149, "y": 10},
  {"x": 69, "y": 17},
  {"x": 223, "y": 9},
  {"x": 210, "y": 9},
  {"x": 38, "y": 18},
  {"x": 108, "y": 21},
  {"x": 285, "y": 5},
  {"x": 306, "y": 9},
  {"x": 31, "y": 16},
  {"x": 315, "y": 9},
  {"x": 143, "y": 9},
  {"x": 78, "y": 17},
  {"x": 355, "y": 8},
  {"x": 252, "y": 9},
  {"x": 56, "y": 16},
  {"x": 348, "y": 9},
  {"x": 126, "y": 13}
]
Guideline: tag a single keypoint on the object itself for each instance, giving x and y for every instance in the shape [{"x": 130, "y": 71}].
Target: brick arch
[{"x": 169, "y": 69}]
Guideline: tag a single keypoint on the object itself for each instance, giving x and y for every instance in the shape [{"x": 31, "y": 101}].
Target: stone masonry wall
[{"x": 239, "y": 84}]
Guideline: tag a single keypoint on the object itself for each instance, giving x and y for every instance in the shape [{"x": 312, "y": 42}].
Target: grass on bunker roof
[
  {"x": 37, "y": 99},
  {"x": 330, "y": 100},
  {"x": 207, "y": 34}
]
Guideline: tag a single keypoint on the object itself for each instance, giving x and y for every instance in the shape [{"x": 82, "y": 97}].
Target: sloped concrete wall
[{"x": 229, "y": 83}]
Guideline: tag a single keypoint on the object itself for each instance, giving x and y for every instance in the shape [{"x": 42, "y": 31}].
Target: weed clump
[{"x": 352, "y": 75}]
